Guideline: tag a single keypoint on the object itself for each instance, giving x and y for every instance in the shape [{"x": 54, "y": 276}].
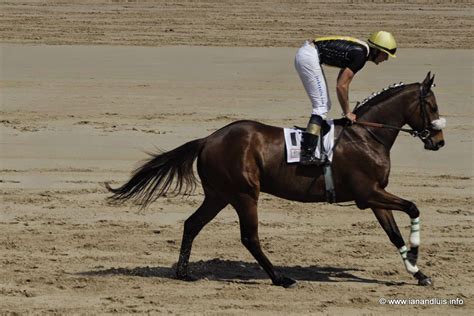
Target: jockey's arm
[{"x": 343, "y": 81}]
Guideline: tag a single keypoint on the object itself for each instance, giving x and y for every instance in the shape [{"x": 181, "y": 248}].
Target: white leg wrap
[
  {"x": 415, "y": 232},
  {"x": 412, "y": 269}
]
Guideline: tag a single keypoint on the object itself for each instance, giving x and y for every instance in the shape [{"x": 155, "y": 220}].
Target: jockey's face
[{"x": 380, "y": 57}]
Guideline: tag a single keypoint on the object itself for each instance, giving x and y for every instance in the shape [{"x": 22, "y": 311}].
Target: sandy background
[
  {"x": 416, "y": 23},
  {"x": 75, "y": 115}
]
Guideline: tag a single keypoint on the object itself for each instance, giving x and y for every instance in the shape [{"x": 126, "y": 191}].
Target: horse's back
[
  {"x": 248, "y": 156},
  {"x": 242, "y": 138},
  {"x": 244, "y": 132}
]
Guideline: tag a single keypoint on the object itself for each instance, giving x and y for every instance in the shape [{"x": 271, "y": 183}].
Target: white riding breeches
[{"x": 312, "y": 75}]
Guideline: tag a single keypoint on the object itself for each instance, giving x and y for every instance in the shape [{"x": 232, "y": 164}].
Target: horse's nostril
[{"x": 441, "y": 143}]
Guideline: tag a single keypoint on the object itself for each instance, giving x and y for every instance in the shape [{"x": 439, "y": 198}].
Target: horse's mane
[{"x": 378, "y": 97}]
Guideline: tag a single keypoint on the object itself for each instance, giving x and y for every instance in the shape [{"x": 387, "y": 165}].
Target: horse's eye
[{"x": 433, "y": 107}]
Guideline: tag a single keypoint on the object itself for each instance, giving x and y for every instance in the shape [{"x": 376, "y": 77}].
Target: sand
[
  {"x": 282, "y": 23},
  {"x": 75, "y": 116}
]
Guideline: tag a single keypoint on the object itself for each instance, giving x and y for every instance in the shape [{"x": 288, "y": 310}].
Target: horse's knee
[{"x": 412, "y": 210}]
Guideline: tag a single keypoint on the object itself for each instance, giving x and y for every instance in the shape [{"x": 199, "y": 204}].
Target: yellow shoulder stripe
[{"x": 344, "y": 38}]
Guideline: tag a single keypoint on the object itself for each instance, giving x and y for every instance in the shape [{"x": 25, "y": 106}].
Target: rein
[{"x": 423, "y": 134}]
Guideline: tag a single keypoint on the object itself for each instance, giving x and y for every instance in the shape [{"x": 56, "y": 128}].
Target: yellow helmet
[{"x": 384, "y": 41}]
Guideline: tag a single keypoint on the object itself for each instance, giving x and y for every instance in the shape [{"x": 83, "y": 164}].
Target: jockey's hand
[{"x": 351, "y": 117}]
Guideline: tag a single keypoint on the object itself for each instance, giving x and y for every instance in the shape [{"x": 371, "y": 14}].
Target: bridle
[{"x": 423, "y": 134}]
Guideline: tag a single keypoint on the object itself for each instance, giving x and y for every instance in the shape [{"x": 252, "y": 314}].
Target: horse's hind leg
[
  {"x": 209, "y": 208},
  {"x": 246, "y": 208}
]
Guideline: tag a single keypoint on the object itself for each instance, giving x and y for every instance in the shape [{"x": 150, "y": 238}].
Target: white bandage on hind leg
[
  {"x": 410, "y": 267},
  {"x": 415, "y": 232}
]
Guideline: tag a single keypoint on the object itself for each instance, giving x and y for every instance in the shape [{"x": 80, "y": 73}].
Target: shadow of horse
[{"x": 243, "y": 272}]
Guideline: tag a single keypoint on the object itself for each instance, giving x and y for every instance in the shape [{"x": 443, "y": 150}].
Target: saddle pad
[{"x": 293, "y": 138}]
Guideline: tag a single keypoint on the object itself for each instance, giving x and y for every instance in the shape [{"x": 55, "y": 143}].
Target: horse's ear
[
  {"x": 427, "y": 82},
  {"x": 431, "y": 81},
  {"x": 427, "y": 79}
]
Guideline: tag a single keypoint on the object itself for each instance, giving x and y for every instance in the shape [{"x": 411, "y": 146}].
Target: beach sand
[{"x": 76, "y": 116}]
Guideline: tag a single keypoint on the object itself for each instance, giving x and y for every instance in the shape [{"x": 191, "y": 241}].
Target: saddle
[
  {"x": 293, "y": 138},
  {"x": 293, "y": 148}
]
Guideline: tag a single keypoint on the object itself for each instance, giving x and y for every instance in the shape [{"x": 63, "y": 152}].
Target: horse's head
[{"x": 425, "y": 119}]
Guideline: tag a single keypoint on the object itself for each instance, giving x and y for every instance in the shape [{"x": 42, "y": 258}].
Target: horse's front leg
[
  {"x": 386, "y": 220},
  {"x": 381, "y": 202}
]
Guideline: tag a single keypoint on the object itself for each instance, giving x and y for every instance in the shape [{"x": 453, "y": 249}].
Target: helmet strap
[{"x": 373, "y": 53}]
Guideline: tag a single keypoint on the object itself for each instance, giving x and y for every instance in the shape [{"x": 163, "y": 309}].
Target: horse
[{"x": 244, "y": 158}]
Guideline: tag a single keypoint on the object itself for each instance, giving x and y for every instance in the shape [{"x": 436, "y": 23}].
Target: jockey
[{"x": 350, "y": 55}]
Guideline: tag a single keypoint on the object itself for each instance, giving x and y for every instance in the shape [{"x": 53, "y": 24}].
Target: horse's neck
[{"x": 393, "y": 112}]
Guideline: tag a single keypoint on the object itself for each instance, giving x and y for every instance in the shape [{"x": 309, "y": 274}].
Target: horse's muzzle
[
  {"x": 435, "y": 139},
  {"x": 433, "y": 145}
]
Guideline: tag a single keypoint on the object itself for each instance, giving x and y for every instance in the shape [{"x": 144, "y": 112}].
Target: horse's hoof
[
  {"x": 186, "y": 277},
  {"x": 425, "y": 282},
  {"x": 286, "y": 282}
]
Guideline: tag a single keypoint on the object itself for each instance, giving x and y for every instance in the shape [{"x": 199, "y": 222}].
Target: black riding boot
[{"x": 308, "y": 146}]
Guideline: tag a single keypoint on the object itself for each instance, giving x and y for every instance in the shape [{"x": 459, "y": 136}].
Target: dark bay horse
[{"x": 244, "y": 158}]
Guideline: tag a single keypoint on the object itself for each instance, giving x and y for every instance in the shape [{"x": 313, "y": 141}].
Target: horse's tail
[{"x": 156, "y": 176}]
